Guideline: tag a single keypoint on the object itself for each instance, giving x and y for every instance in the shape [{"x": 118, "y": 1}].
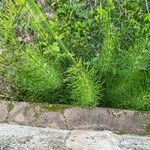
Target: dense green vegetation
[{"x": 87, "y": 52}]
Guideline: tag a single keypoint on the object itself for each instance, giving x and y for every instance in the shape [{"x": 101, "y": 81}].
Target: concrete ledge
[
  {"x": 16, "y": 137},
  {"x": 65, "y": 117}
]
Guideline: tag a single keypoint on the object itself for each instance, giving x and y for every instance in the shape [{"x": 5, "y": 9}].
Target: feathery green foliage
[
  {"x": 27, "y": 70},
  {"x": 85, "y": 87},
  {"x": 127, "y": 85},
  {"x": 110, "y": 38},
  {"x": 37, "y": 76},
  {"x": 130, "y": 85}
]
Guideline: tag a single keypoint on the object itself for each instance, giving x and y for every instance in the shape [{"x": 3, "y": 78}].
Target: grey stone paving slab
[{"x": 16, "y": 137}]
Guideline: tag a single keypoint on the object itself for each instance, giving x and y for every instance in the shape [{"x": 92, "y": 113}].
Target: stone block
[
  {"x": 123, "y": 121},
  {"x": 3, "y": 112},
  {"x": 52, "y": 119}
]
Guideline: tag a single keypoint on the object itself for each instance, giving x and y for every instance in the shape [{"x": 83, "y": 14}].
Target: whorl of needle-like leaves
[
  {"x": 86, "y": 90},
  {"x": 36, "y": 75}
]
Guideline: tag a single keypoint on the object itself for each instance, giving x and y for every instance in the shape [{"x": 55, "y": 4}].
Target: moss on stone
[
  {"x": 26, "y": 109},
  {"x": 141, "y": 113},
  {"x": 10, "y": 106},
  {"x": 50, "y": 107},
  {"x": 55, "y": 108},
  {"x": 37, "y": 115},
  {"x": 147, "y": 129}
]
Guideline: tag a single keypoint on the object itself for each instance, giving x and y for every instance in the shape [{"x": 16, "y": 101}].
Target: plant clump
[{"x": 86, "y": 53}]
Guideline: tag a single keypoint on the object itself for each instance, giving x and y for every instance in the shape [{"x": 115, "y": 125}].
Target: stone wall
[{"x": 67, "y": 117}]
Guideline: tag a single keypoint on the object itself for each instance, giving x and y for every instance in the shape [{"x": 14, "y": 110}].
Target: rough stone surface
[
  {"x": 25, "y": 114},
  {"x": 17, "y": 115},
  {"x": 92, "y": 140},
  {"x": 15, "y": 137},
  {"x": 3, "y": 112},
  {"x": 123, "y": 121},
  {"x": 65, "y": 117},
  {"x": 52, "y": 119}
]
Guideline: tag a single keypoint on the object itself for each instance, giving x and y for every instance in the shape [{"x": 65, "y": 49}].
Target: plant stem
[
  {"x": 147, "y": 6},
  {"x": 146, "y": 3}
]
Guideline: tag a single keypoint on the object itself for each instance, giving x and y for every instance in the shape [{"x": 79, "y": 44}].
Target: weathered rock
[
  {"x": 17, "y": 115},
  {"x": 123, "y": 121},
  {"x": 133, "y": 142},
  {"x": 30, "y": 114},
  {"x": 33, "y": 115},
  {"x": 3, "y": 112},
  {"x": 52, "y": 119},
  {"x": 92, "y": 140},
  {"x": 106, "y": 140},
  {"x": 15, "y": 137}
]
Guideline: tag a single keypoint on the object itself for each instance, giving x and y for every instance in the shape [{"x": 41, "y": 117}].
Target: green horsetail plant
[
  {"x": 7, "y": 17},
  {"x": 8, "y": 44},
  {"x": 116, "y": 33},
  {"x": 8, "y": 41},
  {"x": 37, "y": 77},
  {"x": 104, "y": 61},
  {"x": 132, "y": 85},
  {"x": 86, "y": 88},
  {"x": 25, "y": 68},
  {"x": 125, "y": 72},
  {"x": 109, "y": 38}
]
